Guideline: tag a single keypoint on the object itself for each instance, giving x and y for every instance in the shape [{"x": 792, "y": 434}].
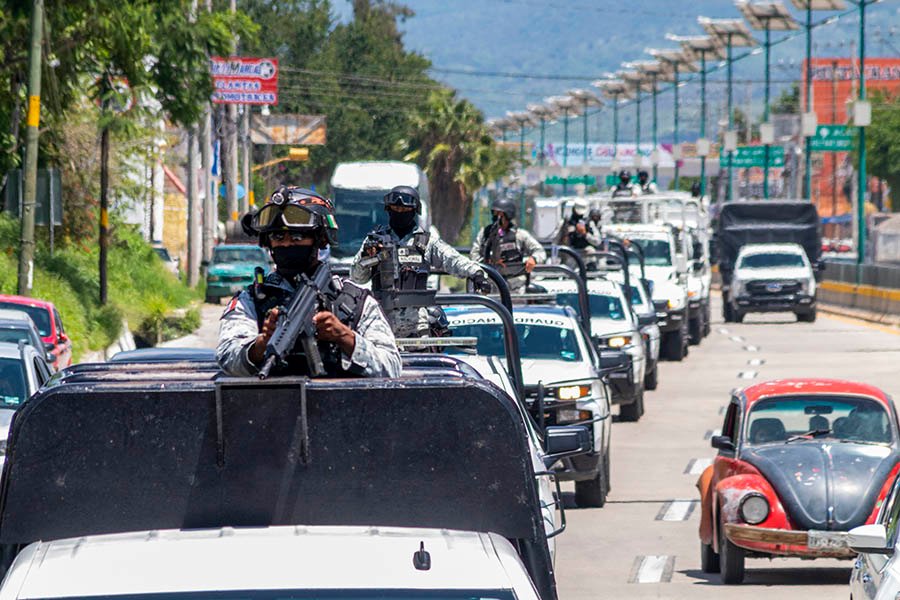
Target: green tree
[
  {"x": 450, "y": 141},
  {"x": 883, "y": 140},
  {"x": 788, "y": 103}
]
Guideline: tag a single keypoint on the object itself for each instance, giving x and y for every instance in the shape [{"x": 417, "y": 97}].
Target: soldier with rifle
[
  {"x": 511, "y": 250},
  {"x": 300, "y": 319},
  {"x": 398, "y": 259}
]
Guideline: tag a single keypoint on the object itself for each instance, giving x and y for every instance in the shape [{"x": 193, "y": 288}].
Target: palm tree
[{"x": 451, "y": 142}]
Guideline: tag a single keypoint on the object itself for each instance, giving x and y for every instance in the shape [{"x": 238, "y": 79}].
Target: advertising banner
[{"x": 244, "y": 80}]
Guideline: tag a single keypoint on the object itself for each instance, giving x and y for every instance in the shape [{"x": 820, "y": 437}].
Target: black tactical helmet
[
  {"x": 625, "y": 176},
  {"x": 505, "y": 205},
  {"x": 293, "y": 208},
  {"x": 403, "y": 195},
  {"x": 643, "y": 176}
]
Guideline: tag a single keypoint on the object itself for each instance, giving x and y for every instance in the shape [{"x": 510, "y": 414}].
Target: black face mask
[
  {"x": 495, "y": 217},
  {"x": 402, "y": 222},
  {"x": 290, "y": 261}
]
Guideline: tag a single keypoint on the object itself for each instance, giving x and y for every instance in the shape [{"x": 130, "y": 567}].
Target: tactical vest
[
  {"x": 347, "y": 305},
  {"x": 496, "y": 249},
  {"x": 577, "y": 240}
]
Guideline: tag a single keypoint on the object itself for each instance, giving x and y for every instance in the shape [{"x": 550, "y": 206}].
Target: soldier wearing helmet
[
  {"x": 575, "y": 230},
  {"x": 624, "y": 187},
  {"x": 417, "y": 253},
  {"x": 646, "y": 186},
  {"x": 295, "y": 224},
  {"x": 511, "y": 250}
]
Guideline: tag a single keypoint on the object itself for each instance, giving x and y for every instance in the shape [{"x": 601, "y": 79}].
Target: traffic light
[{"x": 298, "y": 154}]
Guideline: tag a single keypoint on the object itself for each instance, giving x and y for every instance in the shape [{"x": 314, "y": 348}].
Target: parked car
[
  {"x": 16, "y": 326},
  {"x": 801, "y": 462},
  {"x": 49, "y": 325},
  {"x": 22, "y": 372},
  {"x": 173, "y": 265},
  {"x": 232, "y": 268}
]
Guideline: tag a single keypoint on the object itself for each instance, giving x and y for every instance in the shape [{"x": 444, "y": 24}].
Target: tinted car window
[
  {"x": 657, "y": 253},
  {"x": 537, "y": 342},
  {"x": 851, "y": 419},
  {"x": 40, "y": 316},
  {"x": 13, "y": 390},
  {"x": 770, "y": 261},
  {"x": 15, "y": 335},
  {"x": 606, "y": 307}
]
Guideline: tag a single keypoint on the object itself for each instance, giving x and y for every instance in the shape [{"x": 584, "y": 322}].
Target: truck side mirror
[{"x": 566, "y": 440}]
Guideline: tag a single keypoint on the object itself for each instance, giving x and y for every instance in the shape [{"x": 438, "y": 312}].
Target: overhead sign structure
[
  {"x": 570, "y": 180},
  {"x": 288, "y": 130},
  {"x": 244, "y": 80},
  {"x": 746, "y": 157},
  {"x": 831, "y": 138}
]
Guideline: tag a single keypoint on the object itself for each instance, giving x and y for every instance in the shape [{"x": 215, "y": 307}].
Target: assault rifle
[{"x": 296, "y": 322}]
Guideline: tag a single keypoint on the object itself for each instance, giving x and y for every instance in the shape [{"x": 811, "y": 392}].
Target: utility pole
[
  {"x": 230, "y": 157},
  {"x": 210, "y": 192},
  {"x": 861, "y": 127},
  {"x": 834, "y": 83},
  {"x": 32, "y": 124},
  {"x": 193, "y": 202},
  {"x": 246, "y": 147},
  {"x": 104, "y": 191}
]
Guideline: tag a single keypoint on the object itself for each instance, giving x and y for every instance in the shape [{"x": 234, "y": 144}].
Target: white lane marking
[
  {"x": 756, "y": 362},
  {"x": 747, "y": 375},
  {"x": 751, "y": 348},
  {"x": 723, "y": 331},
  {"x": 676, "y": 510},
  {"x": 697, "y": 466},
  {"x": 737, "y": 338},
  {"x": 712, "y": 432},
  {"x": 654, "y": 568}
]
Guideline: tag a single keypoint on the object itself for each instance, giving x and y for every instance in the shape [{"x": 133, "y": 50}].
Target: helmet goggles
[
  {"x": 273, "y": 217},
  {"x": 401, "y": 199}
]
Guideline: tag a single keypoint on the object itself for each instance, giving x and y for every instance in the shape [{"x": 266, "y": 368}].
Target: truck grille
[{"x": 773, "y": 287}]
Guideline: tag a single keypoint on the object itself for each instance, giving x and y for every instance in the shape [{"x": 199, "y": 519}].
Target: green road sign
[
  {"x": 570, "y": 180},
  {"x": 612, "y": 179},
  {"x": 831, "y": 138},
  {"x": 753, "y": 156}
]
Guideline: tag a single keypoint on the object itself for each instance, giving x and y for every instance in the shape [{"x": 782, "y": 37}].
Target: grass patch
[{"x": 140, "y": 288}]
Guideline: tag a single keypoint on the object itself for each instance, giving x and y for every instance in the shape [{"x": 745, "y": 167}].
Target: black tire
[
  {"x": 731, "y": 560},
  {"x": 674, "y": 346},
  {"x": 632, "y": 413},
  {"x": 809, "y": 317},
  {"x": 591, "y": 493},
  {"x": 727, "y": 312},
  {"x": 695, "y": 330},
  {"x": 738, "y": 316},
  {"x": 707, "y": 319},
  {"x": 651, "y": 379},
  {"x": 709, "y": 560}
]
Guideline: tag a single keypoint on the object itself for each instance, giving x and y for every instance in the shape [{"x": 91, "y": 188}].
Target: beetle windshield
[
  {"x": 13, "y": 390},
  {"x": 843, "y": 418}
]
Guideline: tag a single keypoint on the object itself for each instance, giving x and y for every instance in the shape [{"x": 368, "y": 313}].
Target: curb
[{"x": 862, "y": 315}]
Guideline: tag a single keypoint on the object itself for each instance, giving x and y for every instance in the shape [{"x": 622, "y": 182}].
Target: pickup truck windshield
[
  {"x": 657, "y": 253},
  {"x": 536, "y": 342},
  {"x": 314, "y": 595},
  {"x": 358, "y": 212},
  {"x": 13, "y": 390},
  {"x": 603, "y": 307},
  {"x": 771, "y": 260}
]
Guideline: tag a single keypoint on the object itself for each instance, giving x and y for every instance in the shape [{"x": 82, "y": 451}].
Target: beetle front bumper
[{"x": 789, "y": 542}]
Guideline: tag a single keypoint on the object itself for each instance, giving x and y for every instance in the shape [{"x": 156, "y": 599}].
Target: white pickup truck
[{"x": 772, "y": 278}]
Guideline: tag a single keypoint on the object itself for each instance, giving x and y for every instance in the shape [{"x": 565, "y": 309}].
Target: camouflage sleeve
[
  {"x": 531, "y": 247},
  {"x": 475, "y": 253},
  {"x": 376, "y": 353},
  {"x": 444, "y": 257},
  {"x": 237, "y": 330},
  {"x": 359, "y": 273}
]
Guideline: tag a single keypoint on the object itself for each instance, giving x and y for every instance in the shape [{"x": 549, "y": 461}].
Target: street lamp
[
  {"x": 636, "y": 85},
  {"x": 522, "y": 120},
  {"x": 653, "y": 72},
  {"x": 701, "y": 47},
  {"x": 677, "y": 60},
  {"x": 614, "y": 89},
  {"x": 731, "y": 32},
  {"x": 767, "y": 16},
  {"x": 587, "y": 99},
  {"x": 542, "y": 113},
  {"x": 809, "y": 120},
  {"x": 568, "y": 106},
  {"x": 501, "y": 127}
]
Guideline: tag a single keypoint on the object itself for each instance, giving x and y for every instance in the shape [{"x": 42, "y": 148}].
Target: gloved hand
[{"x": 481, "y": 283}]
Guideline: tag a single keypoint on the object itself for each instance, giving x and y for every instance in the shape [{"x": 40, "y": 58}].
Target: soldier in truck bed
[{"x": 511, "y": 250}]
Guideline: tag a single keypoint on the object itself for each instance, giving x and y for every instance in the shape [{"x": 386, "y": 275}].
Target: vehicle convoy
[
  {"x": 800, "y": 463},
  {"x": 266, "y": 472},
  {"x": 642, "y": 305},
  {"x": 49, "y": 324},
  {"x": 232, "y": 268},
  {"x": 666, "y": 268},
  {"x": 358, "y": 190},
  {"x": 780, "y": 278},
  {"x": 557, "y": 354}
]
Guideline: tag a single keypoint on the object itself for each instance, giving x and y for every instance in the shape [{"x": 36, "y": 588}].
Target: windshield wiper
[{"x": 808, "y": 435}]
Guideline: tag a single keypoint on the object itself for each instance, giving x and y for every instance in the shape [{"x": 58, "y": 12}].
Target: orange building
[{"x": 835, "y": 83}]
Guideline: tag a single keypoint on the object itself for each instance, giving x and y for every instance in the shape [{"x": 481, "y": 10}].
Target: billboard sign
[
  {"x": 244, "y": 80},
  {"x": 288, "y": 129}
]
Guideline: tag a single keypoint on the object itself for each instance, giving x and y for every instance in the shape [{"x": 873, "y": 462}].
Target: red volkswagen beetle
[{"x": 800, "y": 463}]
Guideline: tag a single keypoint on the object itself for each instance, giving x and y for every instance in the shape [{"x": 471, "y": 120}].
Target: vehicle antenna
[{"x": 422, "y": 559}]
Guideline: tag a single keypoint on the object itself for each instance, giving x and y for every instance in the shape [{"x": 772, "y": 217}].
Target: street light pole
[
  {"x": 861, "y": 192},
  {"x": 638, "y": 162},
  {"x": 675, "y": 132},
  {"x": 584, "y": 154},
  {"x": 615, "y": 126},
  {"x": 730, "y": 179},
  {"x": 807, "y": 173},
  {"x": 655, "y": 137},
  {"x": 703, "y": 120},
  {"x": 768, "y": 45},
  {"x": 565, "y": 150}
]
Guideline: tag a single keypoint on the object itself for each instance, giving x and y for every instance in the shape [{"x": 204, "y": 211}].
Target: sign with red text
[{"x": 244, "y": 80}]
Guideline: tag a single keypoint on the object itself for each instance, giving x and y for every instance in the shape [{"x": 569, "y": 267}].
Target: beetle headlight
[{"x": 754, "y": 509}]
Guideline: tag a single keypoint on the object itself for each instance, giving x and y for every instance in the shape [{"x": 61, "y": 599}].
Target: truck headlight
[
  {"x": 573, "y": 392},
  {"x": 675, "y": 303},
  {"x": 618, "y": 341},
  {"x": 754, "y": 509}
]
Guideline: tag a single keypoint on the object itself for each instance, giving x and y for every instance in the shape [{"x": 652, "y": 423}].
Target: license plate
[{"x": 826, "y": 540}]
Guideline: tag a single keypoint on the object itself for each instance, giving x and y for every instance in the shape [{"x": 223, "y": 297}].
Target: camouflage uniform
[
  {"x": 374, "y": 355},
  {"x": 437, "y": 255},
  {"x": 526, "y": 246}
]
